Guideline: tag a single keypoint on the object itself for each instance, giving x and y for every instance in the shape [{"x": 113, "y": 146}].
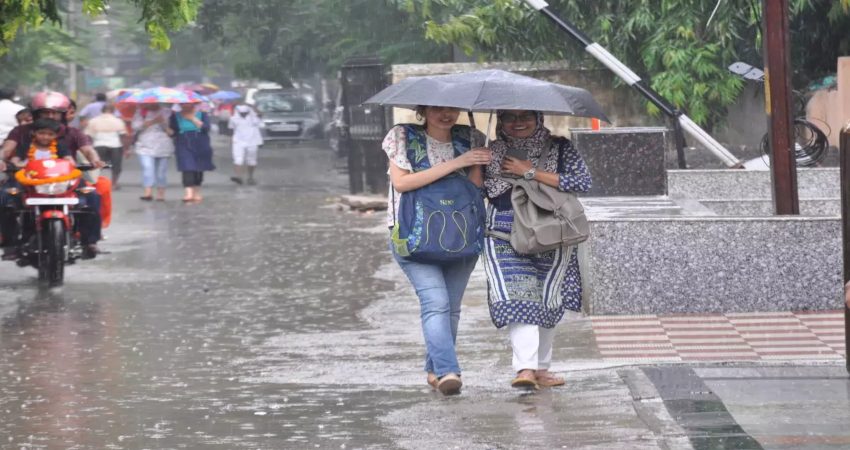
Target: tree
[
  {"x": 669, "y": 42},
  {"x": 157, "y": 16},
  {"x": 28, "y": 61},
  {"x": 280, "y": 39}
]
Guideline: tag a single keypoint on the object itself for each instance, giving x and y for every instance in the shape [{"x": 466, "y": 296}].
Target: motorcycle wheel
[{"x": 51, "y": 267}]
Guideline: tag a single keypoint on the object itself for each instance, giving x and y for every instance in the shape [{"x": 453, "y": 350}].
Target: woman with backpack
[
  {"x": 530, "y": 293},
  {"x": 421, "y": 156}
]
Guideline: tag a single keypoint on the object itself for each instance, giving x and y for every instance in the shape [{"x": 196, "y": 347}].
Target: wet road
[
  {"x": 262, "y": 318},
  {"x": 267, "y": 318}
]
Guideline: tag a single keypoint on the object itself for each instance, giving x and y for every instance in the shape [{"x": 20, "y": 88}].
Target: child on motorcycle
[{"x": 43, "y": 145}]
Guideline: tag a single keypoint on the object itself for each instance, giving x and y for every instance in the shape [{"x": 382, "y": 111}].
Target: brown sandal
[
  {"x": 525, "y": 379},
  {"x": 433, "y": 380},
  {"x": 549, "y": 380}
]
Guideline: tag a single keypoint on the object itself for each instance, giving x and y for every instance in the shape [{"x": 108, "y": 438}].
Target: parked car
[{"x": 288, "y": 115}]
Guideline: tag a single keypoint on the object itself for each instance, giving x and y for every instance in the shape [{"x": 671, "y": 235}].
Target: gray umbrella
[{"x": 488, "y": 90}]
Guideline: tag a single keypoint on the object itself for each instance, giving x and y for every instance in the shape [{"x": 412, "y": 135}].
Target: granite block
[
  {"x": 762, "y": 208},
  {"x": 711, "y": 265},
  {"x": 738, "y": 184},
  {"x": 624, "y": 161}
]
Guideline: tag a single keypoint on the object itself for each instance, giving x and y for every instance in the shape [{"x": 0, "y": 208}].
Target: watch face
[{"x": 529, "y": 175}]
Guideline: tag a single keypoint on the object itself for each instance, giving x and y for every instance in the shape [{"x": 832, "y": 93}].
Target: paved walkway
[{"x": 771, "y": 336}]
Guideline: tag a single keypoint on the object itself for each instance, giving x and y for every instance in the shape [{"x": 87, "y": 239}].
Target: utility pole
[
  {"x": 72, "y": 65},
  {"x": 777, "y": 55}
]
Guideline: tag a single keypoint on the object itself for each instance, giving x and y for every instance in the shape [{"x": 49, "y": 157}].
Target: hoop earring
[{"x": 419, "y": 117}]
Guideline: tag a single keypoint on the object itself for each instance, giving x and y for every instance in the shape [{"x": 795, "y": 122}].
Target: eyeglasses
[{"x": 511, "y": 117}]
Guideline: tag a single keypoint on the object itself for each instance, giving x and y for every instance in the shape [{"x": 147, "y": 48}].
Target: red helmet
[{"x": 50, "y": 100}]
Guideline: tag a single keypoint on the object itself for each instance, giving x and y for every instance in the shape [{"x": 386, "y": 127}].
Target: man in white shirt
[
  {"x": 106, "y": 131},
  {"x": 8, "y": 109},
  {"x": 246, "y": 140}
]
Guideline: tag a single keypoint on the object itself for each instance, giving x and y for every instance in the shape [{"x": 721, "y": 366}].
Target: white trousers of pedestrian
[
  {"x": 244, "y": 154},
  {"x": 532, "y": 346}
]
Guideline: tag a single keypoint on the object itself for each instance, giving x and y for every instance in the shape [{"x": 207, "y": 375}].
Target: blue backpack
[{"x": 443, "y": 221}]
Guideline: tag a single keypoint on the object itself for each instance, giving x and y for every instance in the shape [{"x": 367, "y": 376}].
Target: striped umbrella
[{"x": 160, "y": 95}]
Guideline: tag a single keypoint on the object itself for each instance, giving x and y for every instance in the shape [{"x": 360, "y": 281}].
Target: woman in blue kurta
[
  {"x": 530, "y": 293},
  {"x": 190, "y": 130}
]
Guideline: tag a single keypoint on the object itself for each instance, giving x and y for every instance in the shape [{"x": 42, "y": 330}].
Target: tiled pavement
[{"x": 774, "y": 336}]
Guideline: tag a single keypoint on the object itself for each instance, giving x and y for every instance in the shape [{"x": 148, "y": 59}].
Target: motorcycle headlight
[{"x": 53, "y": 188}]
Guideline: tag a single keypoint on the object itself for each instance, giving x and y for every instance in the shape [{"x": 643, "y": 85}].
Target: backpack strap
[{"x": 417, "y": 144}]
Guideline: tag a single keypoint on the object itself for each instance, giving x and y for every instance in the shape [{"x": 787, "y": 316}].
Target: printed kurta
[{"x": 532, "y": 289}]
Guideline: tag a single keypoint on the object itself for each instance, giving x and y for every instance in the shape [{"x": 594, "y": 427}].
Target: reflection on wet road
[{"x": 255, "y": 320}]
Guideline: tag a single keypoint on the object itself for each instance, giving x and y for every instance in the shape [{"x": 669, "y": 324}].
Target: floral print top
[{"x": 395, "y": 146}]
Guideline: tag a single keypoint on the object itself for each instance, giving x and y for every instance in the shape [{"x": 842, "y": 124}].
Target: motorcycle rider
[{"x": 50, "y": 105}]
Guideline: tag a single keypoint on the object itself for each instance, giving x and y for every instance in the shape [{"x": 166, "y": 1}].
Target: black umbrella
[{"x": 489, "y": 90}]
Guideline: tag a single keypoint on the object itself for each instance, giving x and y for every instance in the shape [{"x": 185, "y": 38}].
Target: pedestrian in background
[
  {"x": 106, "y": 131},
  {"x": 8, "y": 110},
  {"x": 530, "y": 293},
  {"x": 247, "y": 138},
  {"x": 91, "y": 110},
  {"x": 190, "y": 130},
  {"x": 439, "y": 286},
  {"x": 24, "y": 116},
  {"x": 154, "y": 148}
]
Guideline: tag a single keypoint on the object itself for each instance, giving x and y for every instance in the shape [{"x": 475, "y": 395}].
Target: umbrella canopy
[
  {"x": 201, "y": 88},
  {"x": 488, "y": 90},
  {"x": 120, "y": 93},
  {"x": 160, "y": 95},
  {"x": 226, "y": 96}
]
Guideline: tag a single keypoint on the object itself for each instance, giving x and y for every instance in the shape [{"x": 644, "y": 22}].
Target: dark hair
[
  {"x": 46, "y": 124},
  {"x": 6, "y": 94},
  {"x": 23, "y": 111},
  {"x": 100, "y": 97},
  {"x": 73, "y": 104}
]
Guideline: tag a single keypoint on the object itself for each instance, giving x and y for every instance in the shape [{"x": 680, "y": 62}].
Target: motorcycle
[{"x": 50, "y": 239}]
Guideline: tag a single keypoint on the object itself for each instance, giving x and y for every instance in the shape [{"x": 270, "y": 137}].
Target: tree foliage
[
  {"x": 28, "y": 62},
  {"x": 157, "y": 16},
  {"x": 279, "y": 39},
  {"x": 669, "y": 42}
]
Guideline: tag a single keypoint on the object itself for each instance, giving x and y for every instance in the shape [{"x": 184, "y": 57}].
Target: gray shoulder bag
[{"x": 545, "y": 218}]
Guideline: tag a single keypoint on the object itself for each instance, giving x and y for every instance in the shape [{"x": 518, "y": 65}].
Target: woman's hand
[
  {"x": 475, "y": 157},
  {"x": 516, "y": 166}
]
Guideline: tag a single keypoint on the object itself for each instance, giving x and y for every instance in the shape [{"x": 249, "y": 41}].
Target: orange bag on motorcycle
[{"x": 103, "y": 186}]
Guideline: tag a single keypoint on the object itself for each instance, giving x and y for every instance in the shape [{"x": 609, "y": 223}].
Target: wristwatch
[{"x": 530, "y": 174}]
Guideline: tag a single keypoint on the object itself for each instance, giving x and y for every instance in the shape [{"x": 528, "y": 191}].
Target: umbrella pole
[
  {"x": 487, "y": 131},
  {"x": 621, "y": 70}
]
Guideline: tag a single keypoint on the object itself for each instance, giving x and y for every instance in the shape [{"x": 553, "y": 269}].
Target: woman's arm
[
  {"x": 405, "y": 180},
  {"x": 575, "y": 178},
  {"x": 205, "y": 122}
]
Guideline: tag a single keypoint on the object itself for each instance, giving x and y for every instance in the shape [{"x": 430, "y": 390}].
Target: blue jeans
[
  {"x": 440, "y": 289},
  {"x": 154, "y": 171}
]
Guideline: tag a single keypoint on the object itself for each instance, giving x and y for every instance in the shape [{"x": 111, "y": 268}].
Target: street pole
[
  {"x": 844, "y": 174},
  {"x": 777, "y": 79},
  {"x": 624, "y": 73},
  {"x": 72, "y": 65}
]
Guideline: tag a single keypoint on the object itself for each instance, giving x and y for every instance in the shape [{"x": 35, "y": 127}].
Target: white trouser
[
  {"x": 244, "y": 154},
  {"x": 532, "y": 346}
]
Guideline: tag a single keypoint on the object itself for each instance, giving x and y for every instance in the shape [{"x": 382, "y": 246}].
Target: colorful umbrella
[
  {"x": 160, "y": 95},
  {"x": 118, "y": 94},
  {"x": 201, "y": 88},
  {"x": 226, "y": 96}
]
